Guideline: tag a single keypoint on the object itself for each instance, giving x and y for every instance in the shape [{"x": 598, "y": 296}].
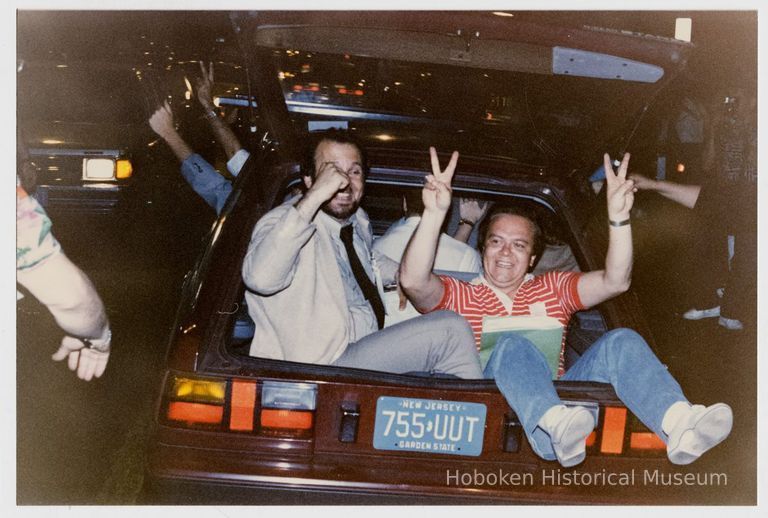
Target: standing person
[
  {"x": 509, "y": 240},
  {"x": 49, "y": 275},
  {"x": 717, "y": 287},
  {"x": 312, "y": 279}
]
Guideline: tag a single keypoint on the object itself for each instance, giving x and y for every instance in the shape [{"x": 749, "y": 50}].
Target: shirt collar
[
  {"x": 503, "y": 297},
  {"x": 331, "y": 223}
]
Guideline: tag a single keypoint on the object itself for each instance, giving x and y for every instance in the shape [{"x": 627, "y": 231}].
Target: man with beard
[{"x": 311, "y": 279}]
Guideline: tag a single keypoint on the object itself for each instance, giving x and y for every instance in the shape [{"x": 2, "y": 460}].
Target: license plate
[{"x": 429, "y": 426}]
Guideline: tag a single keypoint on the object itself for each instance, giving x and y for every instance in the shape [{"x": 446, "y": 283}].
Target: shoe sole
[
  {"x": 699, "y": 316},
  {"x": 708, "y": 431},
  {"x": 730, "y": 327},
  {"x": 579, "y": 426}
]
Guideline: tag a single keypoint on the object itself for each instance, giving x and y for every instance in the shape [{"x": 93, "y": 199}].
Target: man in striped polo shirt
[{"x": 509, "y": 242}]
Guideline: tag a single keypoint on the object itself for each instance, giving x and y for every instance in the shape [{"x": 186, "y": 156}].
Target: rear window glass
[{"x": 558, "y": 113}]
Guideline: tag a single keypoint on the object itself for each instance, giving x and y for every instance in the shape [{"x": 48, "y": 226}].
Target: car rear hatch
[{"x": 487, "y": 85}]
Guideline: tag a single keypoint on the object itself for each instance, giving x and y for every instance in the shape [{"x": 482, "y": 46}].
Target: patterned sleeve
[
  {"x": 34, "y": 241},
  {"x": 566, "y": 285}
]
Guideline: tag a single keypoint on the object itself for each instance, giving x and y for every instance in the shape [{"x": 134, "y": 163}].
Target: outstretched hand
[
  {"x": 88, "y": 363},
  {"x": 161, "y": 121},
  {"x": 436, "y": 194},
  {"x": 620, "y": 190},
  {"x": 642, "y": 183},
  {"x": 204, "y": 86}
]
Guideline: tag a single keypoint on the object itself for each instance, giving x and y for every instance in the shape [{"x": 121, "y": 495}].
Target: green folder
[{"x": 546, "y": 333}]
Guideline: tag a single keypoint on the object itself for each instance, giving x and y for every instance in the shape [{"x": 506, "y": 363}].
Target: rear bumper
[{"x": 181, "y": 475}]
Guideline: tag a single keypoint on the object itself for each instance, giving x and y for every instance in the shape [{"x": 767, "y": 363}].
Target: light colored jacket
[{"x": 294, "y": 289}]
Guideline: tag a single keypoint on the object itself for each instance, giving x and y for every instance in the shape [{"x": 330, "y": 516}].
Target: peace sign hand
[
  {"x": 436, "y": 194},
  {"x": 620, "y": 190},
  {"x": 204, "y": 85}
]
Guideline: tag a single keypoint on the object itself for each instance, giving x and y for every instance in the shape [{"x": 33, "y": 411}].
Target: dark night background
[{"x": 82, "y": 443}]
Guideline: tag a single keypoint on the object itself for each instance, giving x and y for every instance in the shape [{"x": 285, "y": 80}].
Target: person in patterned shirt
[
  {"x": 49, "y": 275},
  {"x": 509, "y": 241}
]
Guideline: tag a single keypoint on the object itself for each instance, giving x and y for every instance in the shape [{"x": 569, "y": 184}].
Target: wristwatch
[
  {"x": 101, "y": 345},
  {"x": 619, "y": 223}
]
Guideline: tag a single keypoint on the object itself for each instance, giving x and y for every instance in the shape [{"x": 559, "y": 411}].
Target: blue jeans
[{"x": 620, "y": 357}]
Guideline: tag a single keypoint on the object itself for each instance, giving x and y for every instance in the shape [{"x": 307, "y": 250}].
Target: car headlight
[{"x": 98, "y": 169}]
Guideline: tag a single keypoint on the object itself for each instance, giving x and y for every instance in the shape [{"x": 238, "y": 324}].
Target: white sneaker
[
  {"x": 569, "y": 436},
  {"x": 698, "y": 431},
  {"x": 731, "y": 323},
  {"x": 698, "y": 314}
]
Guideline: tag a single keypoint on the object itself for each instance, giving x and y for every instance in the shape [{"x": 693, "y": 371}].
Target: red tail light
[
  {"x": 247, "y": 406},
  {"x": 646, "y": 441},
  {"x": 614, "y": 424},
  {"x": 243, "y": 406}
]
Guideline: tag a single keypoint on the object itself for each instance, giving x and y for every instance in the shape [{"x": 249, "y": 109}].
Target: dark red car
[{"x": 531, "y": 107}]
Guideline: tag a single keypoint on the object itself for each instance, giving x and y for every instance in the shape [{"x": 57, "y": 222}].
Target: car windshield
[
  {"x": 527, "y": 116},
  {"x": 79, "y": 94}
]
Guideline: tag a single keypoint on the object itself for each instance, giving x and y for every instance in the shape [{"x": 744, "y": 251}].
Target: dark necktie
[{"x": 370, "y": 292}]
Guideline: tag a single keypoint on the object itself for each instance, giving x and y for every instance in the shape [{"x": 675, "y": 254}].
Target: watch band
[
  {"x": 619, "y": 223},
  {"x": 467, "y": 222},
  {"x": 101, "y": 345}
]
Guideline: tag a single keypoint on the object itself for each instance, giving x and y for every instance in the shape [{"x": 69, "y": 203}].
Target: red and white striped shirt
[{"x": 553, "y": 294}]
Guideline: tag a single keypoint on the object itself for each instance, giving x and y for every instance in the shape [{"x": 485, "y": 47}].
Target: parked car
[
  {"x": 531, "y": 107},
  {"x": 82, "y": 123}
]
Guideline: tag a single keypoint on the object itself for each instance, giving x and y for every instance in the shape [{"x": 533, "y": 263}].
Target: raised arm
[
  {"x": 201, "y": 176},
  {"x": 597, "y": 286},
  {"x": 683, "y": 194},
  {"x": 162, "y": 123},
  {"x": 422, "y": 287},
  {"x": 221, "y": 129},
  {"x": 471, "y": 211}
]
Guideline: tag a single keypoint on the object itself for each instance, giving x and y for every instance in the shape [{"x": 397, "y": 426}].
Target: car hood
[
  {"x": 80, "y": 136},
  {"x": 522, "y": 90}
]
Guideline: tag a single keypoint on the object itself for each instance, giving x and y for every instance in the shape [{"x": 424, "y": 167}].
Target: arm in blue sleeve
[{"x": 206, "y": 181}]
